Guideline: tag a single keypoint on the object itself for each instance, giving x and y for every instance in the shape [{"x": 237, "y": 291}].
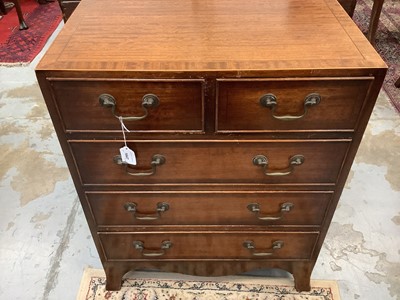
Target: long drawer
[
  {"x": 211, "y": 162},
  {"x": 201, "y": 245},
  {"x": 290, "y": 104},
  {"x": 209, "y": 208},
  {"x": 157, "y": 105}
]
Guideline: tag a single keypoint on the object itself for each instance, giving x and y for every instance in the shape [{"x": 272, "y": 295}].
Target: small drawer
[
  {"x": 289, "y": 104},
  {"x": 203, "y": 245},
  {"x": 150, "y": 105},
  {"x": 295, "y": 208},
  {"x": 217, "y": 162}
]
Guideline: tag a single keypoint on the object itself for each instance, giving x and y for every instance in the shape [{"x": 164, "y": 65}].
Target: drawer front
[
  {"x": 220, "y": 245},
  {"x": 240, "y": 108},
  {"x": 209, "y": 208},
  {"x": 179, "y": 106},
  {"x": 211, "y": 162}
]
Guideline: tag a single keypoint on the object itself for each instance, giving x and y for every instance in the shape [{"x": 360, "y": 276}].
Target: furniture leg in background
[
  {"x": 22, "y": 24},
  {"x": 349, "y": 6},
  {"x": 397, "y": 83},
  {"x": 68, "y": 7},
  {"x": 373, "y": 26},
  {"x": 3, "y": 7},
  {"x": 373, "y": 23}
]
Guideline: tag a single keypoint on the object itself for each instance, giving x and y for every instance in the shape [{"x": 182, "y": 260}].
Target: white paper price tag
[{"x": 127, "y": 155}]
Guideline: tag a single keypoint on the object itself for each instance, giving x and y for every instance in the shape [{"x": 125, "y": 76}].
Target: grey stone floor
[{"x": 45, "y": 243}]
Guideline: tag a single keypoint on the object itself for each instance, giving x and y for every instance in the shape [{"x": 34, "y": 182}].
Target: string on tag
[
  {"x": 127, "y": 155},
  {"x": 123, "y": 128}
]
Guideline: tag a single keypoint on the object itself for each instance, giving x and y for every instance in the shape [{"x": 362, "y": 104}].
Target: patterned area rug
[
  {"x": 387, "y": 40},
  {"x": 18, "y": 47},
  {"x": 168, "y": 286}
]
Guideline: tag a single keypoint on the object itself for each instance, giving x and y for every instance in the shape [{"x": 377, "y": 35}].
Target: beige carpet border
[{"x": 90, "y": 272}]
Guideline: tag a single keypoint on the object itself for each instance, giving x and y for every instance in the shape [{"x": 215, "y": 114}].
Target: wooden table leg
[
  {"x": 22, "y": 24},
  {"x": 352, "y": 7},
  {"x": 3, "y": 7},
  {"x": 302, "y": 273},
  {"x": 349, "y": 6},
  {"x": 397, "y": 83},
  {"x": 373, "y": 23}
]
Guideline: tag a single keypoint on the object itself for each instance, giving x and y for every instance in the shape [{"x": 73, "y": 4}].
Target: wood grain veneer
[
  {"x": 210, "y": 162},
  {"x": 210, "y": 246},
  {"x": 180, "y": 107},
  {"x": 230, "y": 35},
  {"x": 209, "y": 208}
]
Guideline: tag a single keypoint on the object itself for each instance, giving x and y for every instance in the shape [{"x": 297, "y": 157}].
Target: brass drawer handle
[
  {"x": 165, "y": 245},
  {"x": 255, "y": 208},
  {"x": 148, "y": 101},
  {"x": 262, "y": 161},
  {"x": 132, "y": 208},
  {"x": 157, "y": 160},
  {"x": 270, "y": 101},
  {"x": 267, "y": 252}
]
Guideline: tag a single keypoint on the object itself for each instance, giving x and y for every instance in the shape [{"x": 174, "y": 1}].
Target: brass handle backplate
[
  {"x": 157, "y": 160},
  {"x": 132, "y": 208},
  {"x": 139, "y": 246},
  {"x": 255, "y": 208},
  {"x": 266, "y": 252},
  {"x": 148, "y": 101},
  {"x": 270, "y": 101},
  {"x": 262, "y": 161}
]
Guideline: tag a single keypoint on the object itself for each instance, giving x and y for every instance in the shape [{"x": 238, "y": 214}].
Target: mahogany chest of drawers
[{"x": 244, "y": 116}]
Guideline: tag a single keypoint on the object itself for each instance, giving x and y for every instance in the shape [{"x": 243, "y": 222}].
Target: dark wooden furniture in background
[
  {"x": 373, "y": 23},
  {"x": 349, "y": 6},
  {"x": 3, "y": 8},
  {"x": 21, "y": 20},
  {"x": 68, "y": 7},
  {"x": 243, "y": 141}
]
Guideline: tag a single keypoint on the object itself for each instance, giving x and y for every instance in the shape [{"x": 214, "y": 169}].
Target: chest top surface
[{"x": 209, "y": 35}]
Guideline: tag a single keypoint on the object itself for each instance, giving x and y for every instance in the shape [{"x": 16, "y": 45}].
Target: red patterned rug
[
  {"x": 22, "y": 46},
  {"x": 387, "y": 41}
]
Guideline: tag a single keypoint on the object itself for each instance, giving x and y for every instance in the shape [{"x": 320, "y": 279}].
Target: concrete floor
[{"x": 45, "y": 243}]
